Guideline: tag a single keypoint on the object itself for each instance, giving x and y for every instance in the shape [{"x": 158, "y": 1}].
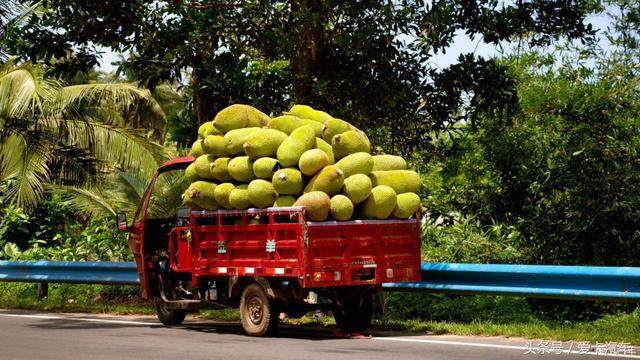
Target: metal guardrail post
[{"x": 43, "y": 290}]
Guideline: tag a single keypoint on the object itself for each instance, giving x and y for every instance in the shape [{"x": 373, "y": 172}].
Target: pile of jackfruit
[{"x": 306, "y": 157}]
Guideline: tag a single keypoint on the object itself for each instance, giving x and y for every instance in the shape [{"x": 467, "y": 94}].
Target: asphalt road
[{"x": 37, "y": 335}]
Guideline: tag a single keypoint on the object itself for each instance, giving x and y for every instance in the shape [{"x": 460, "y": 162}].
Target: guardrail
[{"x": 621, "y": 284}]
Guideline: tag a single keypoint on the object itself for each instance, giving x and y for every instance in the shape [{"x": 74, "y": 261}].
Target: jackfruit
[
  {"x": 406, "y": 205},
  {"x": 317, "y": 205},
  {"x": 196, "y": 149},
  {"x": 215, "y": 145},
  {"x": 285, "y": 123},
  {"x": 241, "y": 169},
  {"x": 317, "y": 126},
  {"x": 388, "y": 162},
  {"x": 326, "y": 147},
  {"x": 333, "y": 127},
  {"x": 264, "y": 167},
  {"x": 307, "y": 112},
  {"x": 188, "y": 202},
  {"x": 201, "y": 193},
  {"x": 284, "y": 201},
  {"x": 329, "y": 180},
  {"x": 341, "y": 208},
  {"x": 402, "y": 181},
  {"x": 288, "y": 181},
  {"x": 220, "y": 171},
  {"x": 203, "y": 166},
  {"x": 263, "y": 143},
  {"x": 207, "y": 129},
  {"x": 357, "y": 163},
  {"x": 380, "y": 204},
  {"x": 300, "y": 140},
  {"x": 239, "y": 197},
  {"x": 234, "y": 139},
  {"x": 257, "y": 118},
  {"x": 357, "y": 188},
  {"x": 312, "y": 161},
  {"x": 350, "y": 142},
  {"x": 221, "y": 194},
  {"x": 190, "y": 173},
  {"x": 238, "y": 116},
  {"x": 262, "y": 194}
]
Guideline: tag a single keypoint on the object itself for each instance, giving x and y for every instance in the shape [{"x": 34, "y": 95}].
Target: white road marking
[
  {"x": 497, "y": 346},
  {"x": 54, "y": 317}
]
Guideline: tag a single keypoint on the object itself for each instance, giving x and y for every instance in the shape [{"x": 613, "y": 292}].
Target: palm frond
[
  {"x": 90, "y": 202},
  {"x": 23, "y": 90},
  {"x": 131, "y": 184},
  {"x": 122, "y": 94}
]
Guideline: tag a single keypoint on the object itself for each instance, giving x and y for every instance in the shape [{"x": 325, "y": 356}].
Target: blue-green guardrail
[{"x": 621, "y": 284}]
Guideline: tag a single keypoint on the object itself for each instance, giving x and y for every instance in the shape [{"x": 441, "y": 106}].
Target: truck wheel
[
  {"x": 169, "y": 317},
  {"x": 258, "y": 314},
  {"x": 355, "y": 312}
]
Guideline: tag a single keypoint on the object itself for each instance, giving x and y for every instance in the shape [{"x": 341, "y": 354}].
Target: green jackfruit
[
  {"x": 357, "y": 188},
  {"x": 203, "y": 166},
  {"x": 406, "y": 205},
  {"x": 215, "y": 145},
  {"x": 380, "y": 204},
  {"x": 264, "y": 167},
  {"x": 241, "y": 169},
  {"x": 288, "y": 181},
  {"x": 239, "y": 116},
  {"x": 188, "y": 202},
  {"x": 317, "y": 205},
  {"x": 284, "y": 201},
  {"x": 220, "y": 170},
  {"x": 402, "y": 181},
  {"x": 201, "y": 193},
  {"x": 329, "y": 180},
  {"x": 285, "y": 123},
  {"x": 234, "y": 139},
  {"x": 307, "y": 112},
  {"x": 257, "y": 118},
  {"x": 196, "y": 149},
  {"x": 262, "y": 194},
  {"x": 190, "y": 173},
  {"x": 341, "y": 208},
  {"x": 312, "y": 161},
  {"x": 317, "y": 126},
  {"x": 300, "y": 140},
  {"x": 357, "y": 163},
  {"x": 333, "y": 127},
  {"x": 326, "y": 147},
  {"x": 221, "y": 194},
  {"x": 239, "y": 197},
  {"x": 263, "y": 143},
  {"x": 207, "y": 129},
  {"x": 388, "y": 162},
  {"x": 350, "y": 142}
]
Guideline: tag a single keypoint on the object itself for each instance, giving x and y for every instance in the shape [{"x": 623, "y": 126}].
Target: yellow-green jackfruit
[
  {"x": 356, "y": 163},
  {"x": 190, "y": 173},
  {"x": 207, "y": 129},
  {"x": 262, "y": 194},
  {"x": 388, "y": 162},
  {"x": 284, "y": 201},
  {"x": 221, "y": 194},
  {"x": 333, "y": 127},
  {"x": 326, "y": 147},
  {"x": 350, "y": 142},
  {"x": 288, "y": 181},
  {"x": 234, "y": 139},
  {"x": 219, "y": 169},
  {"x": 257, "y": 118},
  {"x": 307, "y": 112},
  {"x": 264, "y": 167},
  {"x": 196, "y": 149},
  {"x": 357, "y": 188},
  {"x": 406, "y": 205},
  {"x": 215, "y": 145},
  {"x": 341, "y": 208},
  {"x": 263, "y": 143},
  {"x": 201, "y": 193},
  {"x": 380, "y": 204},
  {"x": 239, "y": 197},
  {"x": 238, "y": 116},
  {"x": 312, "y": 161},
  {"x": 300, "y": 140},
  {"x": 329, "y": 180},
  {"x": 241, "y": 169},
  {"x": 402, "y": 181},
  {"x": 285, "y": 123},
  {"x": 317, "y": 126},
  {"x": 203, "y": 166},
  {"x": 317, "y": 205}
]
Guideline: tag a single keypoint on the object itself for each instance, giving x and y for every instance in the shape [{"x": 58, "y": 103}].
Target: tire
[
  {"x": 355, "y": 312},
  {"x": 258, "y": 314},
  {"x": 169, "y": 317}
]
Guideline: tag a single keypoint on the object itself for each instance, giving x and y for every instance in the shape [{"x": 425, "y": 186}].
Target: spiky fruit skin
[
  {"x": 215, "y": 145},
  {"x": 317, "y": 205},
  {"x": 288, "y": 181},
  {"x": 285, "y": 123},
  {"x": 326, "y": 147},
  {"x": 388, "y": 162},
  {"x": 262, "y": 194},
  {"x": 239, "y": 197},
  {"x": 350, "y": 142},
  {"x": 333, "y": 127},
  {"x": 357, "y": 188},
  {"x": 263, "y": 168},
  {"x": 241, "y": 169},
  {"x": 207, "y": 129},
  {"x": 380, "y": 204},
  {"x": 234, "y": 140},
  {"x": 402, "y": 181},
  {"x": 284, "y": 201},
  {"x": 312, "y": 161},
  {"x": 307, "y": 112},
  {"x": 196, "y": 149},
  {"x": 190, "y": 173},
  {"x": 203, "y": 166},
  {"x": 263, "y": 143},
  {"x": 300, "y": 140},
  {"x": 406, "y": 205},
  {"x": 257, "y": 118},
  {"x": 329, "y": 180},
  {"x": 201, "y": 193},
  {"x": 341, "y": 208},
  {"x": 220, "y": 171},
  {"x": 221, "y": 194},
  {"x": 357, "y": 163},
  {"x": 317, "y": 126},
  {"x": 238, "y": 116}
]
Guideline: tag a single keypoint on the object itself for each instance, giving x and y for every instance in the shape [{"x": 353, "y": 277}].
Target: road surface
[{"x": 38, "y": 335}]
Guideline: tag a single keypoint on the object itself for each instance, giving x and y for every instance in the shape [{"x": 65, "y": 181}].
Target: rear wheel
[
  {"x": 258, "y": 313},
  {"x": 169, "y": 317},
  {"x": 353, "y": 313}
]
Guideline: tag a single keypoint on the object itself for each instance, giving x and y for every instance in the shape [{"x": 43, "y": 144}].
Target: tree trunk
[
  {"x": 305, "y": 60},
  {"x": 202, "y": 103}
]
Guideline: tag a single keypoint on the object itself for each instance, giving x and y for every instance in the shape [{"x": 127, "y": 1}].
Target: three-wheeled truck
[{"x": 264, "y": 261}]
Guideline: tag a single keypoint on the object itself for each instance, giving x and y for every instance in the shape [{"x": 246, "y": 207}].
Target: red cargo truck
[{"x": 264, "y": 261}]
